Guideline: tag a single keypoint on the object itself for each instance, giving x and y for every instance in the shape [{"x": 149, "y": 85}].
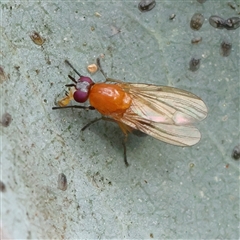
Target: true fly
[{"x": 163, "y": 112}]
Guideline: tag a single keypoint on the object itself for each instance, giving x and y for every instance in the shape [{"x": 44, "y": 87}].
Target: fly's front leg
[
  {"x": 100, "y": 68},
  {"x": 75, "y": 106}
]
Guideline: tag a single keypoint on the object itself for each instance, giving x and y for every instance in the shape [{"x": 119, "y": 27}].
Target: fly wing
[
  {"x": 173, "y": 134},
  {"x": 165, "y": 113},
  {"x": 180, "y": 106}
]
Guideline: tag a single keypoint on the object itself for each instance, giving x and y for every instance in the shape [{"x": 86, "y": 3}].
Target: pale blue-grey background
[{"x": 167, "y": 191}]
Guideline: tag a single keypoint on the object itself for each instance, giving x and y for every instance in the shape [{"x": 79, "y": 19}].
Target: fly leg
[
  {"x": 96, "y": 120},
  {"x": 124, "y": 131},
  {"x": 90, "y": 123},
  {"x": 75, "y": 106},
  {"x": 100, "y": 68},
  {"x": 70, "y": 65},
  {"x": 125, "y": 150}
]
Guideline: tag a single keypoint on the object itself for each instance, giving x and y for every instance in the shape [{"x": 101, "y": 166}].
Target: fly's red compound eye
[
  {"x": 83, "y": 86},
  {"x": 80, "y": 96},
  {"x": 85, "y": 79}
]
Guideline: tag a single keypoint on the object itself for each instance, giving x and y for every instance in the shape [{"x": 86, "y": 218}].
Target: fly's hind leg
[
  {"x": 126, "y": 129},
  {"x": 125, "y": 150}
]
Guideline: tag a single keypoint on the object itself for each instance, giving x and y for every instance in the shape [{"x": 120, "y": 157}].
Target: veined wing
[
  {"x": 166, "y": 104},
  {"x": 165, "y": 113},
  {"x": 173, "y": 134}
]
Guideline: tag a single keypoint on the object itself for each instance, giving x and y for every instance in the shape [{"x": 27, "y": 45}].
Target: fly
[{"x": 165, "y": 113}]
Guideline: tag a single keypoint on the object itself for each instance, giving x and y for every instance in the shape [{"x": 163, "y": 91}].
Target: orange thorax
[{"x": 109, "y": 99}]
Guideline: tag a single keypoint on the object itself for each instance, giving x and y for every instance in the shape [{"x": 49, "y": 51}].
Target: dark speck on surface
[{"x": 6, "y": 120}]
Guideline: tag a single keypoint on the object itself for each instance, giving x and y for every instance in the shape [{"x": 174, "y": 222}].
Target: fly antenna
[
  {"x": 72, "y": 79},
  {"x": 69, "y": 64}
]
